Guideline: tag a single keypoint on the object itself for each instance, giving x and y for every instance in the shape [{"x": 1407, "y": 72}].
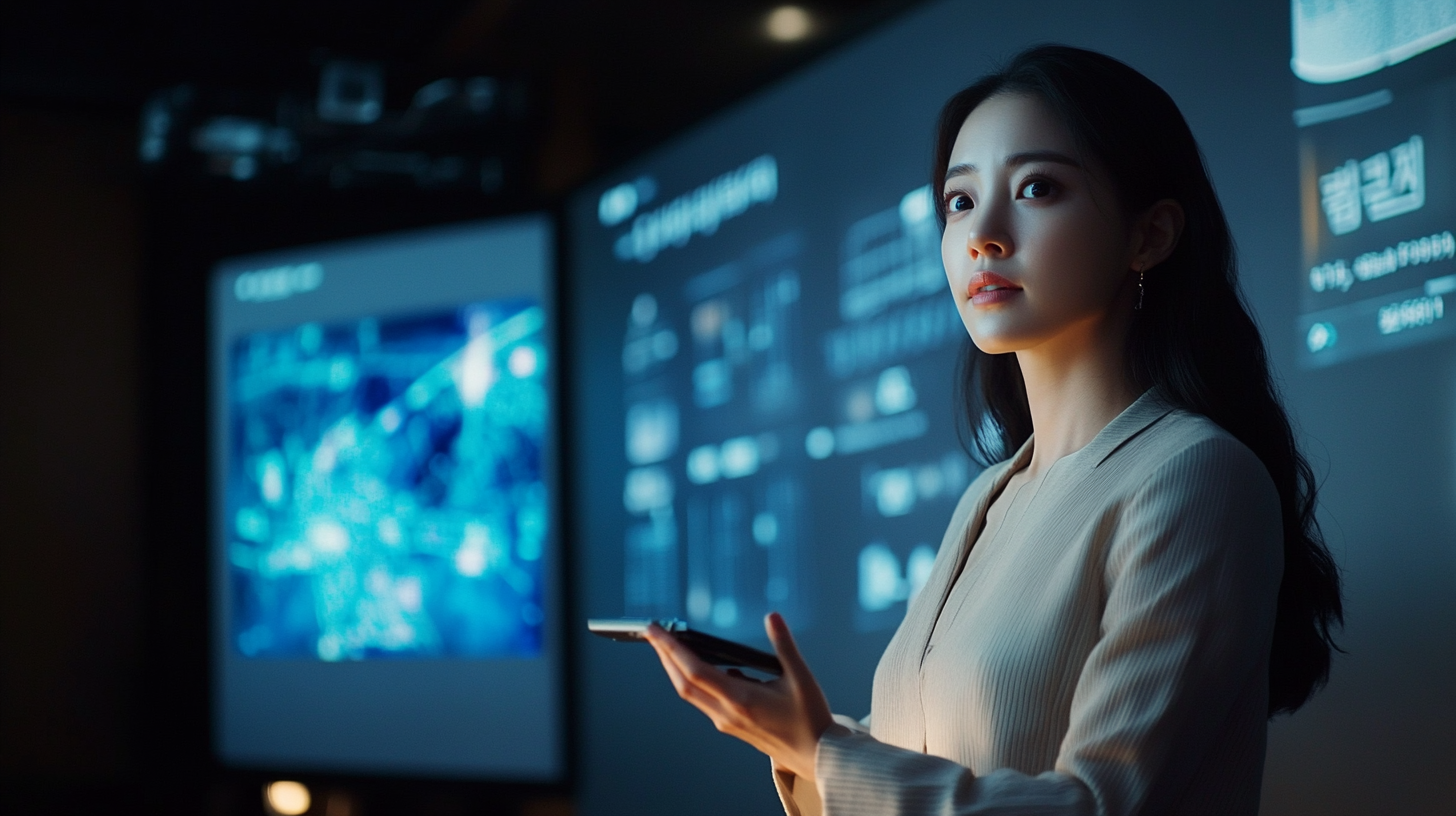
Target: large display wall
[{"x": 762, "y": 355}]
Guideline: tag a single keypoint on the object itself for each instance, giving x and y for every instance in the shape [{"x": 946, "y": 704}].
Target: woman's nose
[
  {"x": 991, "y": 248},
  {"x": 988, "y": 235},
  {"x": 994, "y": 244}
]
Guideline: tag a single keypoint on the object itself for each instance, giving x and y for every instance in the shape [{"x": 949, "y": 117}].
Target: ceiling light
[{"x": 788, "y": 23}]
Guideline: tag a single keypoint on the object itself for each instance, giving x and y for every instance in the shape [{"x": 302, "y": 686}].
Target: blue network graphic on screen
[{"x": 385, "y": 489}]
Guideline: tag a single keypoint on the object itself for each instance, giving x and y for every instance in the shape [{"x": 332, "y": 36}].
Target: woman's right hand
[{"x": 783, "y": 718}]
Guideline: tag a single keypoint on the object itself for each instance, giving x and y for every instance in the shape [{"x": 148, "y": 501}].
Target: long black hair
[{"x": 1193, "y": 340}]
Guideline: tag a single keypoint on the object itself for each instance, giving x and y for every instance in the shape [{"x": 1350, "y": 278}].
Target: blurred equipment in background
[
  {"x": 351, "y": 93},
  {"x": 458, "y": 134}
]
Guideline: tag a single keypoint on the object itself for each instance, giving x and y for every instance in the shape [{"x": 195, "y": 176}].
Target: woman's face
[{"x": 1035, "y": 246}]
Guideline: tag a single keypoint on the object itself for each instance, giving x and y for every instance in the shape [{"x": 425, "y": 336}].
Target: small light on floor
[
  {"x": 287, "y": 798},
  {"x": 788, "y": 23}
]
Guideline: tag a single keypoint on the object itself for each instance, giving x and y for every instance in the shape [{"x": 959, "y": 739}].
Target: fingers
[
  {"x": 782, "y": 718},
  {"x": 669, "y": 651},
  {"x": 670, "y": 648},
  {"x": 699, "y": 690},
  {"x": 695, "y": 680},
  {"x": 802, "y": 684},
  {"x": 670, "y": 666},
  {"x": 686, "y": 686},
  {"x": 788, "y": 651}
]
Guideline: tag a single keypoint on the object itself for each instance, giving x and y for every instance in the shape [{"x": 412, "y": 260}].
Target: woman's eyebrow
[
  {"x": 962, "y": 169},
  {"x": 1016, "y": 160}
]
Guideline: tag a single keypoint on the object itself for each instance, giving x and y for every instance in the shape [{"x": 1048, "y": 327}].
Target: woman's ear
[{"x": 1156, "y": 233}]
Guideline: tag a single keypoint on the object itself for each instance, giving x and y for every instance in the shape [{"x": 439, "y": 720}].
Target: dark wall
[{"x": 69, "y": 440}]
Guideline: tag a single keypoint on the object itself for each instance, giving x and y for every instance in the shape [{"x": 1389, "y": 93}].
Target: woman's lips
[{"x": 988, "y": 288}]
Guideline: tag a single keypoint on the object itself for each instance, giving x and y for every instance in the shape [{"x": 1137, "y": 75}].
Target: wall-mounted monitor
[
  {"x": 385, "y": 539},
  {"x": 1377, "y": 98}
]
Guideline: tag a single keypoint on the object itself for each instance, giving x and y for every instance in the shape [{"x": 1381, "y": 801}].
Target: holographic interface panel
[{"x": 385, "y": 494}]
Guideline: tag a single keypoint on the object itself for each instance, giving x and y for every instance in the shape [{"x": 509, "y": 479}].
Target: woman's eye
[
  {"x": 958, "y": 202},
  {"x": 1036, "y": 188}
]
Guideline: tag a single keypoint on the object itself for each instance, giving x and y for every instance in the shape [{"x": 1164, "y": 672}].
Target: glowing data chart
[
  {"x": 785, "y": 409},
  {"x": 891, "y": 356},
  {"x": 712, "y": 377}
]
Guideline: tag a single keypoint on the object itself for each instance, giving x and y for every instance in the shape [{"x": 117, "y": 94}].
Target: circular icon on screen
[{"x": 1321, "y": 336}]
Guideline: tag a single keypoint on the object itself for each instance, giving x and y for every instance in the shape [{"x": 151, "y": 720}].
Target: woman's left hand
[{"x": 783, "y": 718}]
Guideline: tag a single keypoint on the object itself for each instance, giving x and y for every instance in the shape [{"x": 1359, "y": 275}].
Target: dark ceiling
[{"x": 607, "y": 78}]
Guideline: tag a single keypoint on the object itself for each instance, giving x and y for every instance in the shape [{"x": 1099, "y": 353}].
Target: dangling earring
[{"x": 1139, "y": 305}]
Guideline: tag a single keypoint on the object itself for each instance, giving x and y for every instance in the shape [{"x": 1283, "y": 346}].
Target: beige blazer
[{"x": 1104, "y": 651}]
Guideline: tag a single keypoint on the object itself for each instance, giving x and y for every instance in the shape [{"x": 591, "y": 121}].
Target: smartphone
[{"x": 710, "y": 648}]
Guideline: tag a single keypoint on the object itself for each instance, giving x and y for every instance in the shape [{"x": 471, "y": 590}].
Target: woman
[{"x": 1117, "y": 608}]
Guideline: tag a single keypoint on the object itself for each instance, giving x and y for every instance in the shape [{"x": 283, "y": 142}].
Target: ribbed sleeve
[{"x": 1104, "y": 652}]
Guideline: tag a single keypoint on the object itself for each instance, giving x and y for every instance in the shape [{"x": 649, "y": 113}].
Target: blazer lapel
[
  {"x": 1134, "y": 419},
  {"x": 940, "y": 583}
]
